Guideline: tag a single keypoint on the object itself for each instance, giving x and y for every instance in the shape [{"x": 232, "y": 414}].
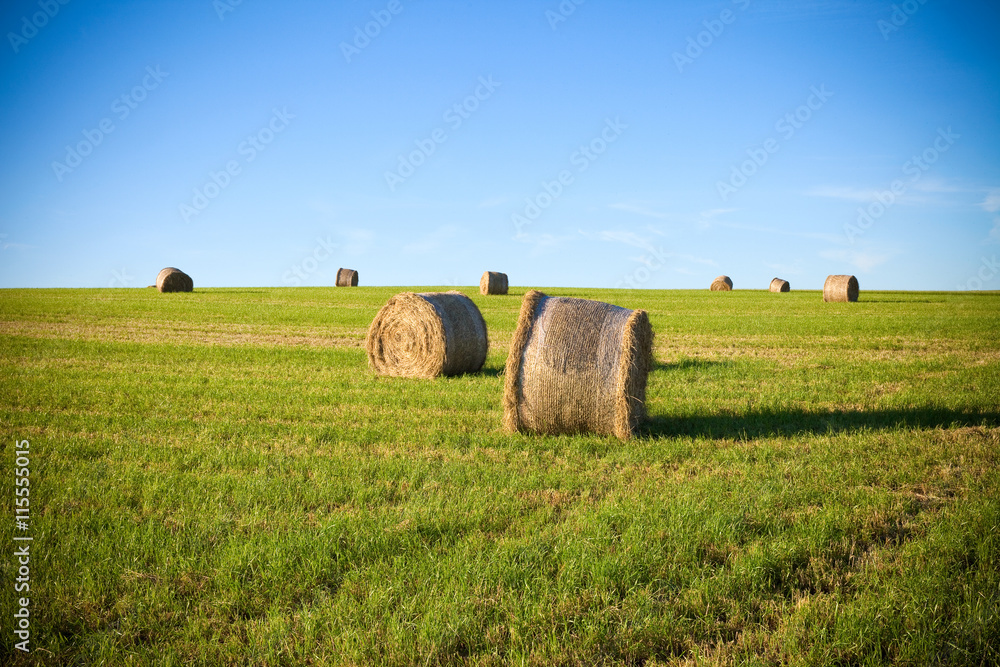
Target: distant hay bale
[
  {"x": 174, "y": 280},
  {"x": 426, "y": 335},
  {"x": 840, "y": 288},
  {"x": 722, "y": 284},
  {"x": 493, "y": 282},
  {"x": 577, "y": 366},
  {"x": 347, "y": 278},
  {"x": 779, "y": 285}
]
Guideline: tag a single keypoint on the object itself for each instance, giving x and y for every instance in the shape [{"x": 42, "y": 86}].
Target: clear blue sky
[{"x": 655, "y": 144}]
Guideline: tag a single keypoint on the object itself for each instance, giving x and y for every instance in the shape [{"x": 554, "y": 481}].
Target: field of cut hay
[{"x": 217, "y": 477}]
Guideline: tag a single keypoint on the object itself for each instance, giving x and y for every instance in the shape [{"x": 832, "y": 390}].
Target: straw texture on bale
[
  {"x": 779, "y": 285},
  {"x": 577, "y": 366},
  {"x": 840, "y": 288},
  {"x": 347, "y": 278},
  {"x": 493, "y": 282},
  {"x": 722, "y": 284},
  {"x": 426, "y": 335},
  {"x": 174, "y": 280}
]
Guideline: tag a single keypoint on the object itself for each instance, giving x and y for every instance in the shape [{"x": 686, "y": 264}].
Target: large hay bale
[
  {"x": 174, "y": 280},
  {"x": 779, "y": 285},
  {"x": 347, "y": 278},
  {"x": 577, "y": 366},
  {"x": 493, "y": 282},
  {"x": 722, "y": 284},
  {"x": 840, "y": 288},
  {"x": 426, "y": 335}
]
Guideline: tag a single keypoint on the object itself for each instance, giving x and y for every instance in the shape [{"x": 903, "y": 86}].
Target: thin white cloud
[
  {"x": 638, "y": 210},
  {"x": 992, "y": 202},
  {"x": 937, "y": 185},
  {"x": 617, "y": 236},
  {"x": 924, "y": 191},
  {"x": 715, "y": 212},
  {"x": 692, "y": 259},
  {"x": 5, "y": 245},
  {"x": 544, "y": 242},
  {"x": 637, "y": 241},
  {"x": 829, "y": 238},
  {"x": 786, "y": 269},
  {"x": 845, "y": 193},
  {"x": 995, "y": 232}
]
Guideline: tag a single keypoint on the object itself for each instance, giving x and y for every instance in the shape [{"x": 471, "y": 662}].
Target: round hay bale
[
  {"x": 493, "y": 282},
  {"x": 779, "y": 285},
  {"x": 426, "y": 335},
  {"x": 722, "y": 284},
  {"x": 577, "y": 366},
  {"x": 174, "y": 280},
  {"x": 840, "y": 288},
  {"x": 347, "y": 278}
]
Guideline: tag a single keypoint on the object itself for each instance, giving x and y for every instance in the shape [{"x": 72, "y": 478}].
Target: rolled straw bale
[
  {"x": 576, "y": 366},
  {"x": 840, "y": 288},
  {"x": 493, "y": 282},
  {"x": 174, "y": 280},
  {"x": 722, "y": 284},
  {"x": 347, "y": 278},
  {"x": 428, "y": 334},
  {"x": 779, "y": 285}
]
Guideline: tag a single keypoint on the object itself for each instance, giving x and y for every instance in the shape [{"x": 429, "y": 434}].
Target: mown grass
[{"x": 217, "y": 478}]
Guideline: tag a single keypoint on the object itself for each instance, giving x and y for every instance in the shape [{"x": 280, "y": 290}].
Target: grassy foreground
[{"x": 217, "y": 478}]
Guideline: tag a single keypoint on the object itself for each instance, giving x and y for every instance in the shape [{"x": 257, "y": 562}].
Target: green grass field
[{"x": 217, "y": 478}]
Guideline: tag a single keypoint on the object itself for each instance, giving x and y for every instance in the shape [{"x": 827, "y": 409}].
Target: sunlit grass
[{"x": 217, "y": 478}]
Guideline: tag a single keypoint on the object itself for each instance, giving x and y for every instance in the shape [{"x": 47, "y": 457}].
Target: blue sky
[{"x": 599, "y": 144}]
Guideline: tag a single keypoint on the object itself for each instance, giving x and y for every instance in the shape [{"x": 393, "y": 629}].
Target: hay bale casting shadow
[
  {"x": 779, "y": 285},
  {"x": 174, "y": 280},
  {"x": 493, "y": 282},
  {"x": 426, "y": 335},
  {"x": 577, "y": 366},
  {"x": 347, "y": 278},
  {"x": 840, "y": 288},
  {"x": 722, "y": 284}
]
